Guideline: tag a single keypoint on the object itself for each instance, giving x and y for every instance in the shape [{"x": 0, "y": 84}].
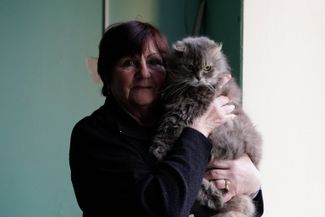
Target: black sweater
[{"x": 114, "y": 174}]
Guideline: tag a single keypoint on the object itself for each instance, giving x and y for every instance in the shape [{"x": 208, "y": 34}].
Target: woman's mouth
[{"x": 142, "y": 87}]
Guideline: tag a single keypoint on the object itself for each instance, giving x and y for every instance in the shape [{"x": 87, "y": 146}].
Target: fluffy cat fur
[{"x": 196, "y": 67}]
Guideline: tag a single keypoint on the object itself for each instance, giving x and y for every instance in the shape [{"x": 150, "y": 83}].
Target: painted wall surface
[
  {"x": 283, "y": 82},
  {"x": 44, "y": 90},
  {"x": 223, "y": 23},
  {"x": 174, "y": 18}
]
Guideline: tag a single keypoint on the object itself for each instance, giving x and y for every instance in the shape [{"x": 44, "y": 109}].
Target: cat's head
[{"x": 198, "y": 61}]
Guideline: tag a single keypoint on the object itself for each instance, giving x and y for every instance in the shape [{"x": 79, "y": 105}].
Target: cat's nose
[{"x": 198, "y": 77}]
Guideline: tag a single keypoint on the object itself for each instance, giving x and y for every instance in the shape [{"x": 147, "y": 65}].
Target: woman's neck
[{"x": 144, "y": 115}]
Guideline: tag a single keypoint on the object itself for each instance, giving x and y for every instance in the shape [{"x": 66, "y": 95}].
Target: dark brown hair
[{"x": 126, "y": 39}]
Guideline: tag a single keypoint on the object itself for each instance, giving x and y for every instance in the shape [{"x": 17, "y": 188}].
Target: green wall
[
  {"x": 174, "y": 18},
  {"x": 45, "y": 87},
  {"x": 223, "y": 22},
  {"x": 44, "y": 90}
]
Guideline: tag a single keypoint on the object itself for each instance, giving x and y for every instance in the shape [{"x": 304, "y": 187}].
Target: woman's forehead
[{"x": 149, "y": 47}]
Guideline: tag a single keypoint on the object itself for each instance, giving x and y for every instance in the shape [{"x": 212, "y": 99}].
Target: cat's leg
[
  {"x": 210, "y": 196},
  {"x": 160, "y": 147},
  {"x": 238, "y": 206},
  {"x": 166, "y": 135},
  {"x": 230, "y": 214}
]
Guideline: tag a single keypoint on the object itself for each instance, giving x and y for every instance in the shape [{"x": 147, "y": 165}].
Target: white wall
[{"x": 284, "y": 89}]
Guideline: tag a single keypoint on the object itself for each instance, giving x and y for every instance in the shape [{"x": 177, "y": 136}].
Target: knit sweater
[{"x": 114, "y": 174}]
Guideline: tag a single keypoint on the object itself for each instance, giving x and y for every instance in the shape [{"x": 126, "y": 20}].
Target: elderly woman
[{"x": 113, "y": 173}]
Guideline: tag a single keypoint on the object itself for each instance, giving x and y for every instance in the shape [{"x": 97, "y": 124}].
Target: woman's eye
[
  {"x": 155, "y": 62},
  {"x": 128, "y": 63}
]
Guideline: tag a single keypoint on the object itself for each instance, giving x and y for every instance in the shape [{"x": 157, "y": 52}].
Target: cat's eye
[
  {"x": 190, "y": 66},
  {"x": 207, "y": 68}
]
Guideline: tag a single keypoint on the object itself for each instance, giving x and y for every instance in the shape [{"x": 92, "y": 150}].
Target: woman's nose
[{"x": 143, "y": 69}]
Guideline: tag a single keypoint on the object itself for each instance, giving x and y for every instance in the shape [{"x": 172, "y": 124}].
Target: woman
[{"x": 112, "y": 170}]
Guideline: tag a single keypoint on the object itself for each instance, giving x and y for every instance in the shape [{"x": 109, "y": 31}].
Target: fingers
[
  {"x": 223, "y": 103},
  {"x": 221, "y": 100},
  {"x": 227, "y": 196},
  {"x": 228, "y": 164},
  {"x": 218, "y": 174},
  {"x": 226, "y": 185},
  {"x": 243, "y": 175},
  {"x": 225, "y": 79},
  {"x": 217, "y": 114},
  {"x": 222, "y": 184},
  {"x": 228, "y": 108},
  {"x": 228, "y": 190},
  {"x": 220, "y": 164}
]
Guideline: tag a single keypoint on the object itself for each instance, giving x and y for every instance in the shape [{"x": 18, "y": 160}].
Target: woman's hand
[
  {"x": 238, "y": 176},
  {"x": 218, "y": 113}
]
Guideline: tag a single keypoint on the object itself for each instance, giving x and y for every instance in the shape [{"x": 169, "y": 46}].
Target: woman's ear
[{"x": 91, "y": 65}]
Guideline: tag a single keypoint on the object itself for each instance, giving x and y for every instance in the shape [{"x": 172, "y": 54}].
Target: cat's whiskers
[
  {"x": 176, "y": 88},
  {"x": 211, "y": 87}
]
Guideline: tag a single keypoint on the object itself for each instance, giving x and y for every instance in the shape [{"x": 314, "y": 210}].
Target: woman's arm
[
  {"x": 243, "y": 178},
  {"x": 242, "y": 175},
  {"x": 116, "y": 175}
]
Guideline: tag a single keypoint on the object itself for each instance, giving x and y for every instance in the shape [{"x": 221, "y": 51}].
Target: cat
[{"x": 196, "y": 67}]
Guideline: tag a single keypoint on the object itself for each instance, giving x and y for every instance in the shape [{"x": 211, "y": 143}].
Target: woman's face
[{"x": 137, "y": 80}]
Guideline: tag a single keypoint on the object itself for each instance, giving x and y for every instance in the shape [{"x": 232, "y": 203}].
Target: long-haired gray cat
[{"x": 196, "y": 67}]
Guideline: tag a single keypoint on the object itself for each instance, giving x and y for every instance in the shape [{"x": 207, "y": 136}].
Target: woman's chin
[
  {"x": 144, "y": 102},
  {"x": 144, "y": 99}
]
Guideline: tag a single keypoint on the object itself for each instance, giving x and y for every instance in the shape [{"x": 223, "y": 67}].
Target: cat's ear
[
  {"x": 179, "y": 47},
  {"x": 217, "y": 50},
  {"x": 219, "y": 45}
]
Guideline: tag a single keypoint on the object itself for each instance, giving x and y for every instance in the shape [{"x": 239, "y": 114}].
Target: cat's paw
[
  {"x": 210, "y": 196},
  {"x": 158, "y": 151}
]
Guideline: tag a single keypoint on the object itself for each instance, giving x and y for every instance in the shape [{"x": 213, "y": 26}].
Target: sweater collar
[{"x": 125, "y": 123}]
